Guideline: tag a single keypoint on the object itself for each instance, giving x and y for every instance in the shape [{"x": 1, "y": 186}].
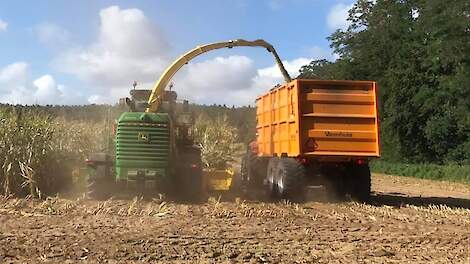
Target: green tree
[{"x": 419, "y": 53}]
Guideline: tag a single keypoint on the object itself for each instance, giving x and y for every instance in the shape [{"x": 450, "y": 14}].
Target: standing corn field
[
  {"x": 217, "y": 140},
  {"x": 38, "y": 152}
]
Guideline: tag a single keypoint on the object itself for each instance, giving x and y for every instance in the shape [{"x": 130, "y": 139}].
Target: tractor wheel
[
  {"x": 360, "y": 183},
  {"x": 190, "y": 174},
  {"x": 97, "y": 189},
  {"x": 290, "y": 179},
  {"x": 100, "y": 182},
  {"x": 271, "y": 176}
]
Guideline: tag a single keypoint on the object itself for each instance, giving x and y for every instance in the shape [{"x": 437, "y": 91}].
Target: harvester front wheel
[
  {"x": 190, "y": 174},
  {"x": 100, "y": 181},
  {"x": 97, "y": 189},
  {"x": 290, "y": 178}
]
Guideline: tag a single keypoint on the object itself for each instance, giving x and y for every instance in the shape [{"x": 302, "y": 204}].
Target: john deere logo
[{"x": 143, "y": 136}]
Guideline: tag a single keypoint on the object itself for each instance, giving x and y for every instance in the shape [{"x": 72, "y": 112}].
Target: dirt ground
[{"x": 408, "y": 221}]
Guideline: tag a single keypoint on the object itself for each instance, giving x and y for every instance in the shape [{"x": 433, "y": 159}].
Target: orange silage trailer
[{"x": 315, "y": 132}]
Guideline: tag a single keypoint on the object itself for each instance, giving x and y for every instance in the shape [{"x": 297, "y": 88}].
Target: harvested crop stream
[{"x": 409, "y": 220}]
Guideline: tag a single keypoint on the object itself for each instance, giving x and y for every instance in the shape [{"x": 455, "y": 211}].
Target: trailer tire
[
  {"x": 271, "y": 176},
  {"x": 290, "y": 179},
  {"x": 360, "y": 187}
]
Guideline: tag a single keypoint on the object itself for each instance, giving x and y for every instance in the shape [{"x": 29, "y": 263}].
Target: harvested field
[{"x": 408, "y": 221}]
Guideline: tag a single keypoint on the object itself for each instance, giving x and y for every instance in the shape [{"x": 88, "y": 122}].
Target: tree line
[{"x": 419, "y": 53}]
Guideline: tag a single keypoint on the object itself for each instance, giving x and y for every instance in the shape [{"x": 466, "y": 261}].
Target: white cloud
[
  {"x": 129, "y": 47},
  {"x": 232, "y": 81},
  {"x": 13, "y": 83},
  {"x": 16, "y": 87},
  {"x": 218, "y": 80},
  {"x": 337, "y": 17},
  {"x": 96, "y": 99},
  {"x": 268, "y": 77},
  {"x": 47, "y": 90},
  {"x": 52, "y": 35},
  {"x": 3, "y": 25},
  {"x": 14, "y": 73}
]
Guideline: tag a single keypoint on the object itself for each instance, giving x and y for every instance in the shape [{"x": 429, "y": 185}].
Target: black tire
[
  {"x": 236, "y": 186},
  {"x": 100, "y": 181},
  {"x": 271, "y": 176},
  {"x": 360, "y": 183},
  {"x": 290, "y": 179},
  {"x": 244, "y": 171},
  {"x": 339, "y": 184},
  {"x": 97, "y": 189},
  {"x": 255, "y": 172},
  {"x": 190, "y": 175}
]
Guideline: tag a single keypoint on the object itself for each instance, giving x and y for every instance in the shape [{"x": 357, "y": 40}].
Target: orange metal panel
[
  {"x": 342, "y": 135},
  {"x": 333, "y": 123},
  {"x": 338, "y": 109},
  {"x": 339, "y": 97},
  {"x": 338, "y": 117}
]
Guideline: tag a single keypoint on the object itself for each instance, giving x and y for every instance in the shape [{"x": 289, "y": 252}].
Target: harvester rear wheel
[{"x": 290, "y": 179}]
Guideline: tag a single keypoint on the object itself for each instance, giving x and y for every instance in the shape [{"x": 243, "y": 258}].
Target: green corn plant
[
  {"x": 39, "y": 152},
  {"x": 217, "y": 140}
]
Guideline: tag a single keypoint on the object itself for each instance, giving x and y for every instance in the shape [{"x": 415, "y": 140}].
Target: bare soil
[{"x": 408, "y": 221}]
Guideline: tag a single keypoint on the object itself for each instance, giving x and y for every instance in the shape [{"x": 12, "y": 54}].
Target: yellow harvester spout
[{"x": 155, "y": 98}]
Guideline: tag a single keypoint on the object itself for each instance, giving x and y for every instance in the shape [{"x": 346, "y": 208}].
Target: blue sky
[{"x": 79, "y": 52}]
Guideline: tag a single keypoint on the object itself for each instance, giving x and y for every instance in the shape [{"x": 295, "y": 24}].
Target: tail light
[
  {"x": 89, "y": 162},
  {"x": 194, "y": 166},
  {"x": 360, "y": 161}
]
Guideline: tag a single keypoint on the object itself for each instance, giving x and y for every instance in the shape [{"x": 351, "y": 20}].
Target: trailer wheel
[
  {"x": 290, "y": 178},
  {"x": 271, "y": 176},
  {"x": 360, "y": 185}
]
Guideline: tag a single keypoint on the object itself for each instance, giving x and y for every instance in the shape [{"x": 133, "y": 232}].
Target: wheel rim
[
  {"x": 271, "y": 180},
  {"x": 280, "y": 181}
]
